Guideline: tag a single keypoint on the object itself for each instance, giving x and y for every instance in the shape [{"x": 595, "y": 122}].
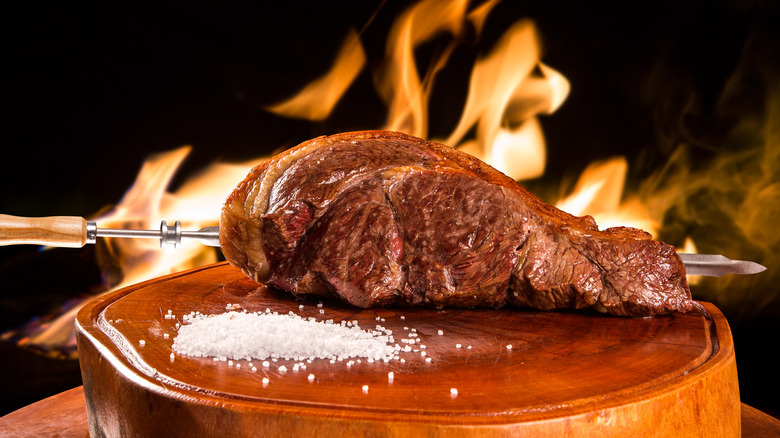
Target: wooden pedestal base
[{"x": 566, "y": 373}]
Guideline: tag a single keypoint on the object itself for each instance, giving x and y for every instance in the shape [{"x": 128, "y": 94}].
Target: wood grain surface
[
  {"x": 567, "y": 373},
  {"x": 64, "y": 415}
]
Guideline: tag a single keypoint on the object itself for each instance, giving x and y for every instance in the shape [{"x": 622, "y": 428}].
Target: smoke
[{"x": 721, "y": 183}]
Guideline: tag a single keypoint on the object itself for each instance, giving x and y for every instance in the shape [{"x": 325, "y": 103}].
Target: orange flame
[
  {"x": 505, "y": 95},
  {"x": 599, "y": 193},
  {"x": 508, "y": 89},
  {"x": 197, "y": 203},
  {"x": 317, "y": 100},
  {"x": 399, "y": 82}
]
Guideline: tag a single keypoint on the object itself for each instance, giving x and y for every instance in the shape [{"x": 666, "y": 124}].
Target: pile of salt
[{"x": 241, "y": 335}]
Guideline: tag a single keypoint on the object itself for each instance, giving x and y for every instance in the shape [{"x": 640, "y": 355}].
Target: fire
[
  {"x": 317, "y": 100},
  {"x": 509, "y": 88},
  {"x": 599, "y": 193},
  {"x": 399, "y": 81},
  {"x": 196, "y": 203}
]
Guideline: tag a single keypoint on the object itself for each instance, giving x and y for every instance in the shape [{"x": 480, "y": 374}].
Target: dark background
[{"x": 90, "y": 90}]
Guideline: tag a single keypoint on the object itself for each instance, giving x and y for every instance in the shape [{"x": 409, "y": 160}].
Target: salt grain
[
  {"x": 441, "y": 332},
  {"x": 454, "y": 392},
  {"x": 141, "y": 342},
  {"x": 365, "y": 389},
  {"x": 390, "y": 376},
  {"x": 509, "y": 347},
  {"x": 242, "y": 335},
  {"x": 311, "y": 377}
]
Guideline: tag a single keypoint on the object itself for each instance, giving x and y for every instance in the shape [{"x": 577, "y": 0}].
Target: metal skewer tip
[{"x": 715, "y": 265}]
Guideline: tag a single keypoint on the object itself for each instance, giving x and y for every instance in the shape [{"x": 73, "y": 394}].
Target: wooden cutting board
[{"x": 566, "y": 373}]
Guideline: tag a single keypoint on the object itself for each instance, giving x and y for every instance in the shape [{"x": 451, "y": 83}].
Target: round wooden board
[{"x": 566, "y": 373}]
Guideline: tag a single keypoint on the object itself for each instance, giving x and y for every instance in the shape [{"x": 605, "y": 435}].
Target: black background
[{"x": 90, "y": 90}]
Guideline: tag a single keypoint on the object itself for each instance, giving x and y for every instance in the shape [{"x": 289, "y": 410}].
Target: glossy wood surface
[
  {"x": 567, "y": 373},
  {"x": 64, "y": 415}
]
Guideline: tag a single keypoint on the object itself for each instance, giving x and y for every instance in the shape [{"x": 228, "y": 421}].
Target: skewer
[
  {"x": 169, "y": 236},
  {"x": 72, "y": 231},
  {"x": 75, "y": 232}
]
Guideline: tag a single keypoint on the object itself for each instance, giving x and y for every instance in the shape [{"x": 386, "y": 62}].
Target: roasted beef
[{"x": 381, "y": 218}]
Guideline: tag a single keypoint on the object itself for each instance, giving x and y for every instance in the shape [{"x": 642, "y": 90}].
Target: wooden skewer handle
[{"x": 65, "y": 231}]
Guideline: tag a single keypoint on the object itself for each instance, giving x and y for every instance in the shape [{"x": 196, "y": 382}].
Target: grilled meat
[{"x": 381, "y": 218}]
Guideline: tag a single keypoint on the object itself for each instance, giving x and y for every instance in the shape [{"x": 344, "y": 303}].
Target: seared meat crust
[{"x": 381, "y": 218}]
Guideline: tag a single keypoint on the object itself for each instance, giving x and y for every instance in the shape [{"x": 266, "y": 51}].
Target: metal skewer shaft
[
  {"x": 75, "y": 232},
  {"x": 69, "y": 231},
  {"x": 169, "y": 236}
]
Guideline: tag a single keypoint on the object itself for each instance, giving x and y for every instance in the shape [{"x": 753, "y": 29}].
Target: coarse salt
[{"x": 243, "y": 335}]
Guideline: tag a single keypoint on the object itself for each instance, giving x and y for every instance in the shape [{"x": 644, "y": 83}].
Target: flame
[
  {"x": 316, "y": 101},
  {"x": 399, "y": 81},
  {"x": 599, "y": 193},
  {"x": 509, "y": 88},
  {"x": 197, "y": 203}
]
